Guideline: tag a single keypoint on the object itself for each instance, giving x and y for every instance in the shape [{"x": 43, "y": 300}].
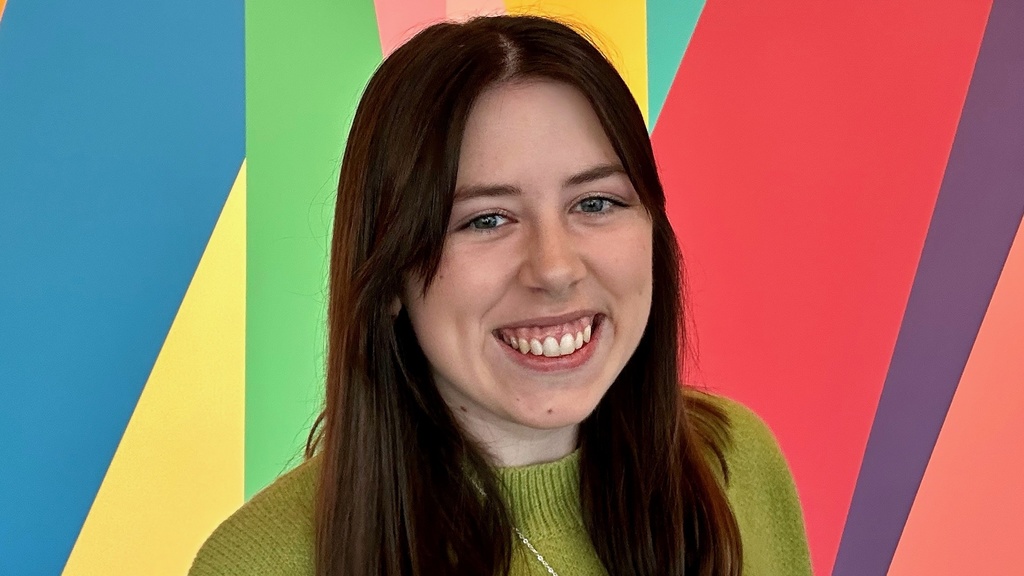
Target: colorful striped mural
[{"x": 845, "y": 181}]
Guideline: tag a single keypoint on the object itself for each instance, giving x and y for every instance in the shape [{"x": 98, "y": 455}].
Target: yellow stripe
[
  {"x": 178, "y": 470},
  {"x": 618, "y": 26}
]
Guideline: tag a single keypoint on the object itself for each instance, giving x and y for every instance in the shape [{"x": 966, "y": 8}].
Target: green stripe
[{"x": 306, "y": 65}]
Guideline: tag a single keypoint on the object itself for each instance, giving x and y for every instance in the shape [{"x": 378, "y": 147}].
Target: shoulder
[
  {"x": 270, "y": 534},
  {"x": 763, "y": 495},
  {"x": 753, "y": 448},
  {"x": 746, "y": 442}
]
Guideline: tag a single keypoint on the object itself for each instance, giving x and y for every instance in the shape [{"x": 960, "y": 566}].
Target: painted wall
[{"x": 845, "y": 179}]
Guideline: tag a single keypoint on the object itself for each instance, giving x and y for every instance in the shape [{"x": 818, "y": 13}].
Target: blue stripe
[{"x": 121, "y": 131}]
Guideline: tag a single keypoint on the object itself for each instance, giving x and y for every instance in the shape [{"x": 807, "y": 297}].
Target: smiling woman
[
  {"x": 503, "y": 390},
  {"x": 551, "y": 248}
]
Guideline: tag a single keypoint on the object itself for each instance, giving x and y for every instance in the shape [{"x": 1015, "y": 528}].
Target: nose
[{"x": 553, "y": 263}]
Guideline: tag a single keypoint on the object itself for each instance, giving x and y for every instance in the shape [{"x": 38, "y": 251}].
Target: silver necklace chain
[
  {"x": 522, "y": 537},
  {"x": 526, "y": 541}
]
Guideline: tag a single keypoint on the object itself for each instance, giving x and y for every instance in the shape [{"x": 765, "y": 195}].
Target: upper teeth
[{"x": 552, "y": 341}]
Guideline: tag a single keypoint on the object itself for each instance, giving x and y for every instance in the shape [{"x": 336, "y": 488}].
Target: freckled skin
[{"x": 539, "y": 253}]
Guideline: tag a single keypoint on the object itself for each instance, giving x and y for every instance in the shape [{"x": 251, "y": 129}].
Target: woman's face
[{"x": 544, "y": 286}]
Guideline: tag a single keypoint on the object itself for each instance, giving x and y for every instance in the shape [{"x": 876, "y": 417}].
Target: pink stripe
[
  {"x": 399, "y": 20},
  {"x": 463, "y": 9}
]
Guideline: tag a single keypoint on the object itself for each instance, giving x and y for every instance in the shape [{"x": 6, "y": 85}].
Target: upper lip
[{"x": 543, "y": 321}]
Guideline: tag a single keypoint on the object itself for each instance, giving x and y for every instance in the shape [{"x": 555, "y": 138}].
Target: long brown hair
[{"x": 395, "y": 495}]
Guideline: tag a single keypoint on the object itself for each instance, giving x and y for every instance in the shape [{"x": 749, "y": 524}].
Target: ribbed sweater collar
[{"x": 544, "y": 498}]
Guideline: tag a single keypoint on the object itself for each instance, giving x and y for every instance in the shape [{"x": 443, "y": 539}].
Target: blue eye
[
  {"x": 486, "y": 222},
  {"x": 597, "y": 204}
]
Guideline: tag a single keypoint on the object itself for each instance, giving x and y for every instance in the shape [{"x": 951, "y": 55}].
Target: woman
[{"x": 504, "y": 324}]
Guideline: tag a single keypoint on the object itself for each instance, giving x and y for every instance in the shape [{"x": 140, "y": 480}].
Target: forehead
[{"x": 527, "y": 130}]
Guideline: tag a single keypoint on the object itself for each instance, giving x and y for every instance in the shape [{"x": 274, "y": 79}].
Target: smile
[{"x": 553, "y": 341}]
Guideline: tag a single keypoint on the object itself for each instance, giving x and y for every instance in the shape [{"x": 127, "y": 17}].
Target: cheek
[
  {"x": 626, "y": 261},
  {"x": 451, "y": 311},
  {"x": 463, "y": 284},
  {"x": 435, "y": 322}
]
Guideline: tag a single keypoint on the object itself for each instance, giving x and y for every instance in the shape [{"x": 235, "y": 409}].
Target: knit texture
[
  {"x": 272, "y": 534},
  {"x": 544, "y": 501}
]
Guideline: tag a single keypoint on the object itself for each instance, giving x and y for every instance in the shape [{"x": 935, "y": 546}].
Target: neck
[
  {"x": 541, "y": 446},
  {"x": 514, "y": 445}
]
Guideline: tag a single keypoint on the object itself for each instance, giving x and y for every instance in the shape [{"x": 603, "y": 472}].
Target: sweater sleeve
[
  {"x": 271, "y": 535},
  {"x": 764, "y": 499}
]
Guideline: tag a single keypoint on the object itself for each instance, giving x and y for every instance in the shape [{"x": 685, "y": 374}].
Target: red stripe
[{"x": 802, "y": 147}]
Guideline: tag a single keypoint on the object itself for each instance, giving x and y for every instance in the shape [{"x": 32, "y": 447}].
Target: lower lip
[{"x": 558, "y": 363}]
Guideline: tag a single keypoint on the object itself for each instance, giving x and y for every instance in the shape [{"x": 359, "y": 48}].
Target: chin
[{"x": 556, "y": 415}]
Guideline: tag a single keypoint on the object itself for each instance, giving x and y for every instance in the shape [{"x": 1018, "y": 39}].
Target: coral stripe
[
  {"x": 967, "y": 514},
  {"x": 178, "y": 469}
]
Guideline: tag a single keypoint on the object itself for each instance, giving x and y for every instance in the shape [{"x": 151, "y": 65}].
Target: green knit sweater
[{"x": 272, "y": 533}]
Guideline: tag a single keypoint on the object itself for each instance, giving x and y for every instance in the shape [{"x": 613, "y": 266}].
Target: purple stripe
[{"x": 976, "y": 216}]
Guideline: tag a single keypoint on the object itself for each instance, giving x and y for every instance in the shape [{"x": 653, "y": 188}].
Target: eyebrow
[
  {"x": 589, "y": 175},
  {"x": 594, "y": 174}
]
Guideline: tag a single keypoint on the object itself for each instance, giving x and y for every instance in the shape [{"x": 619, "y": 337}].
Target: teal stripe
[
  {"x": 670, "y": 24},
  {"x": 306, "y": 65}
]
